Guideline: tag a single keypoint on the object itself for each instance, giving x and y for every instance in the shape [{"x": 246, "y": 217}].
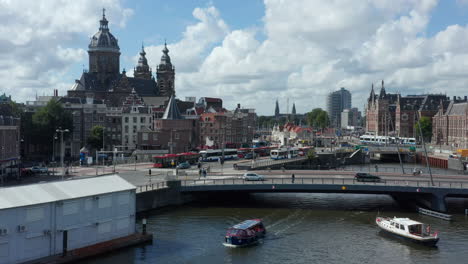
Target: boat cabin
[
  {"x": 410, "y": 226},
  {"x": 245, "y": 233}
]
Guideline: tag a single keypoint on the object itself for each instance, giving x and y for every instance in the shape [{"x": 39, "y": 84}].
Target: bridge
[
  {"x": 401, "y": 190},
  {"x": 267, "y": 163}
]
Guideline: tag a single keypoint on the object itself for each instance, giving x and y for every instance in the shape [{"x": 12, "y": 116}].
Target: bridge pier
[{"x": 438, "y": 202}]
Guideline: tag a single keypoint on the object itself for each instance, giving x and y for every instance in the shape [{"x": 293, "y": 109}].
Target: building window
[
  {"x": 126, "y": 129},
  {"x": 135, "y": 119},
  {"x": 134, "y": 129},
  {"x": 143, "y": 119},
  {"x": 155, "y": 136},
  {"x": 176, "y": 135},
  {"x": 145, "y": 136},
  {"x": 126, "y": 119}
]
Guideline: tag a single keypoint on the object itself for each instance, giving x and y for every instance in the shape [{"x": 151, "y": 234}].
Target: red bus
[
  {"x": 259, "y": 152},
  {"x": 171, "y": 160}
]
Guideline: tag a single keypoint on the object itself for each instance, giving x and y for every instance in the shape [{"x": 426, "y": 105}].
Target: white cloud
[
  {"x": 314, "y": 47},
  {"x": 37, "y": 39},
  {"x": 303, "y": 50}
]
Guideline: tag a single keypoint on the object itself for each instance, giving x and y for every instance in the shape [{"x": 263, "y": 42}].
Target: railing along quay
[
  {"x": 271, "y": 162},
  {"x": 337, "y": 181},
  {"x": 151, "y": 186}
]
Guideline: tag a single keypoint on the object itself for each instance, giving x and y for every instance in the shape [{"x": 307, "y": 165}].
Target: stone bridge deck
[{"x": 399, "y": 189}]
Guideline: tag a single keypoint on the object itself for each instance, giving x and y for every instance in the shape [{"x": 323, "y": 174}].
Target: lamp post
[{"x": 62, "y": 149}]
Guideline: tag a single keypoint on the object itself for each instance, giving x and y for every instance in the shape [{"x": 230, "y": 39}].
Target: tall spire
[
  {"x": 293, "y": 109},
  {"x": 382, "y": 94},
  {"x": 277, "y": 111},
  {"x": 372, "y": 93},
  {"x": 165, "y": 59},
  {"x": 142, "y": 70},
  {"x": 172, "y": 111},
  {"x": 104, "y": 21},
  {"x": 165, "y": 74},
  {"x": 104, "y": 51}
]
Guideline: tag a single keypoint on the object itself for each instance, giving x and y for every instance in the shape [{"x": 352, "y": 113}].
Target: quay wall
[{"x": 163, "y": 197}]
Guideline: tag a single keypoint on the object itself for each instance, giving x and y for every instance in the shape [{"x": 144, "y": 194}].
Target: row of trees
[{"x": 39, "y": 128}]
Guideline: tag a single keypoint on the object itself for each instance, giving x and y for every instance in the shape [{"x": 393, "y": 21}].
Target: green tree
[
  {"x": 96, "y": 137},
  {"x": 426, "y": 128},
  {"x": 318, "y": 118},
  {"x": 45, "y": 122},
  {"x": 311, "y": 154}
]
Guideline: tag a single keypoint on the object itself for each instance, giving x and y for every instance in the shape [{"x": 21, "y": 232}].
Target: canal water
[{"x": 301, "y": 228}]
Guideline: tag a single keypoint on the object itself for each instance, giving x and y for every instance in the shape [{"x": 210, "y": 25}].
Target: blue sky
[{"x": 251, "y": 52}]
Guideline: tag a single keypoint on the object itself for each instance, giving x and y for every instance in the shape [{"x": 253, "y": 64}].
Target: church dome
[{"x": 103, "y": 40}]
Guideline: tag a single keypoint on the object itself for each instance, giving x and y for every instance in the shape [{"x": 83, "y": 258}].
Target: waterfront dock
[{"x": 95, "y": 250}]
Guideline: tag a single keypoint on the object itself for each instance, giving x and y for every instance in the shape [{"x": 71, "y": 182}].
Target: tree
[
  {"x": 426, "y": 128},
  {"x": 318, "y": 118},
  {"x": 95, "y": 139},
  {"x": 45, "y": 122},
  {"x": 311, "y": 154}
]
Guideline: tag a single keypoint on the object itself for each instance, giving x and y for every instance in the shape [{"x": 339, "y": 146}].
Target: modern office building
[{"x": 336, "y": 102}]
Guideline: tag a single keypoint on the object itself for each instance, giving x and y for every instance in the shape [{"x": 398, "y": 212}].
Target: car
[
  {"x": 366, "y": 177},
  {"x": 250, "y": 156},
  {"x": 183, "y": 165},
  {"x": 39, "y": 170},
  {"x": 250, "y": 176}
]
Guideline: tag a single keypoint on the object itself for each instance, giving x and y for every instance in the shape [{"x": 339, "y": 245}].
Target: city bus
[
  {"x": 216, "y": 154},
  {"x": 171, "y": 160},
  {"x": 283, "y": 153}
]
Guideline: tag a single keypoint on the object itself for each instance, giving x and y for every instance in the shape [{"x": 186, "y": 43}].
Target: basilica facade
[{"x": 104, "y": 80}]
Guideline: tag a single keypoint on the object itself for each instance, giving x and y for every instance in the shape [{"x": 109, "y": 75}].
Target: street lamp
[
  {"x": 62, "y": 150},
  {"x": 53, "y": 147}
]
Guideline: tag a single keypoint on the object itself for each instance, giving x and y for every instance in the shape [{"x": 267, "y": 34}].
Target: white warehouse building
[{"x": 34, "y": 218}]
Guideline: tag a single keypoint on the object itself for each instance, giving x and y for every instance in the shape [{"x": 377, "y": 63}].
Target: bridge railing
[
  {"x": 271, "y": 162},
  {"x": 333, "y": 181},
  {"x": 151, "y": 186}
]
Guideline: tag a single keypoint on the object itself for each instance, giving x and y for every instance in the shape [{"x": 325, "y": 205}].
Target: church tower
[
  {"x": 142, "y": 70},
  {"x": 165, "y": 74},
  {"x": 277, "y": 111},
  {"x": 104, "y": 53}
]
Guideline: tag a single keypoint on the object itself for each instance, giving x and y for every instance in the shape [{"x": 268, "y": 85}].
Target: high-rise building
[{"x": 336, "y": 102}]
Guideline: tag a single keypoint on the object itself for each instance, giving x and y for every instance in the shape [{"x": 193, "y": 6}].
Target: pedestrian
[
  {"x": 149, "y": 172},
  {"x": 376, "y": 168},
  {"x": 292, "y": 178},
  {"x": 204, "y": 173},
  {"x": 199, "y": 165},
  {"x": 199, "y": 172}
]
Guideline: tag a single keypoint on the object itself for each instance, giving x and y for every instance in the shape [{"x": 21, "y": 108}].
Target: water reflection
[{"x": 302, "y": 228}]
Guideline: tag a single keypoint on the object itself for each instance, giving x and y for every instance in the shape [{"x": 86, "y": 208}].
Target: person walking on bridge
[{"x": 293, "y": 178}]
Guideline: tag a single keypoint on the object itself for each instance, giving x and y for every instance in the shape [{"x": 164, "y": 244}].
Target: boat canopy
[
  {"x": 247, "y": 224},
  {"x": 405, "y": 221}
]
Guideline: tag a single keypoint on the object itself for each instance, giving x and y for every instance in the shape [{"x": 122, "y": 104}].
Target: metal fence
[
  {"x": 336, "y": 181},
  {"x": 151, "y": 186}
]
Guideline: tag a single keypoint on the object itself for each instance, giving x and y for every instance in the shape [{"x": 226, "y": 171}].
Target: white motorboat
[{"x": 408, "y": 229}]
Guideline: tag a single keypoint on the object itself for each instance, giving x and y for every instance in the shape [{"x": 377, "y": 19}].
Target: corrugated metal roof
[{"x": 32, "y": 194}]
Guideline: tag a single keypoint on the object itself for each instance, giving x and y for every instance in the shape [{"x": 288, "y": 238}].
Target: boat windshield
[
  {"x": 415, "y": 229},
  {"x": 240, "y": 232}
]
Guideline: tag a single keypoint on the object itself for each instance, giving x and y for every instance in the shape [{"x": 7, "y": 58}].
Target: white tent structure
[{"x": 36, "y": 219}]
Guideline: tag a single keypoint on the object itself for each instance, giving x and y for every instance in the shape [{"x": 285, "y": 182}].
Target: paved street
[{"x": 138, "y": 174}]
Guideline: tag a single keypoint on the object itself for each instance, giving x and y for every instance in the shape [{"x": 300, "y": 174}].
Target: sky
[{"x": 250, "y": 52}]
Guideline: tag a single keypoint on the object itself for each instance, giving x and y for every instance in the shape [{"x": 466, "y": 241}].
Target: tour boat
[
  {"x": 244, "y": 234},
  {"x": 408, "y": 229}
]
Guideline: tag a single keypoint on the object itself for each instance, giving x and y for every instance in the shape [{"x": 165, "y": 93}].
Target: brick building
[
  {"x": 380, "y": 112},
  {"x": 172, "y": 132},
  {"x": 10, "y": 140},
  {"x": 450, "y": 124},
  {"x": 396, "y": 115}
]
